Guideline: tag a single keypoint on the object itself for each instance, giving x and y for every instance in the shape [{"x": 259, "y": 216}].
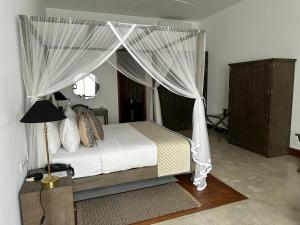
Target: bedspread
[{"x": 173, "y": 150}]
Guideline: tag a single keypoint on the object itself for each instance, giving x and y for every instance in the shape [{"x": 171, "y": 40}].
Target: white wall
[
  {"x": 108, "y": 96},
  {"x": 252, "y": 29},
  {"x": 12, "y": 132}
]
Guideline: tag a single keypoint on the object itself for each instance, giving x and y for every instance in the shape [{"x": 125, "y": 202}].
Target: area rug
[{"x": 134, "y": 206}]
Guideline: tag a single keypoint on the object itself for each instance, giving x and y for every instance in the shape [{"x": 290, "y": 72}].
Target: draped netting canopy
[
  {"x": 57, "y": 52},
  {"x": 129, "y": 67}
]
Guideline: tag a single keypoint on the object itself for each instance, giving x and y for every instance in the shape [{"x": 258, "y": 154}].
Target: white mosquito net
[{"x": 57, "y": 52}]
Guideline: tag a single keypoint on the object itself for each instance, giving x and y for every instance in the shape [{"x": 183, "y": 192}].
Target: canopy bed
[
  {"x": 57, "y": 52},
  {"x": 141, "y": 148}
]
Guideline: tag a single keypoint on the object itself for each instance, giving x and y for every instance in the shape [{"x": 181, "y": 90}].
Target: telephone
[
  {"x": 58, "y": 167},
  {"x": 34, "y": 176}
]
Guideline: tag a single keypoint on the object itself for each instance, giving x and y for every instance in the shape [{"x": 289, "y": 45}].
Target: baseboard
[{"x": 294, "y": 152}]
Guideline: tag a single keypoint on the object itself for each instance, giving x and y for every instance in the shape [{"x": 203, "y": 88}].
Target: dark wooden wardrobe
[{"x": 260, "y": 105}]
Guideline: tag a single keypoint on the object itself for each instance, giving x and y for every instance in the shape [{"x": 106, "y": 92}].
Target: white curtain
[
  {"x": 175, "y": 68},
  {"x": 157, "y": 110},
  {"x": 55, "y": 53},
  {"x": 129, "y": 67}
]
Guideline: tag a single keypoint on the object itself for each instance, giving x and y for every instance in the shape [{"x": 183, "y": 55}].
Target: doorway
[{"x": 132, "y": 100}]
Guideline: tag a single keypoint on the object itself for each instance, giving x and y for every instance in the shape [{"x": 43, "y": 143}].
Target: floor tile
[{"x": 271, "y": 184}]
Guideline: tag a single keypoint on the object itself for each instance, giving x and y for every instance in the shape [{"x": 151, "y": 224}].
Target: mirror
[{"x": 87, "y": 88}]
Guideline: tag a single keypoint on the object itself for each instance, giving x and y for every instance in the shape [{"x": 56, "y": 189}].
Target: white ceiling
[{"x": 165, "y": 9}]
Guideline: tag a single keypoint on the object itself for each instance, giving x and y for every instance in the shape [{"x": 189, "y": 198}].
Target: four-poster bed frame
[
  {"x": 181, "y": 80},
  {"x": 193, "y": 31},
  {"x": 117, "y": 178}
]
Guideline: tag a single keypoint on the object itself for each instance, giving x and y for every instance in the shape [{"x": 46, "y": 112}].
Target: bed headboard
[{"x": 79, "y": 106}]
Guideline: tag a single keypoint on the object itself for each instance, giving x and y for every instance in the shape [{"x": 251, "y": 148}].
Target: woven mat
[{"x": 134, "y": 206}]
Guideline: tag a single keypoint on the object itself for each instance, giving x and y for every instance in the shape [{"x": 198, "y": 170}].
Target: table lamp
[
  {"x": 41, "y": 112},
  {"x": 59, "y": 97}
]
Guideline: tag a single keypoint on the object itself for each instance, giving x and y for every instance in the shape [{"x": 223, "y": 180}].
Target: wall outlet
[{"x": 23, "y": 165}]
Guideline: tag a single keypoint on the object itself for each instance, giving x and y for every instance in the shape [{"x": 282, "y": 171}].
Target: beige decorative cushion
[
  {"x": 87, "y": 135},
  {"x": 79, "y": 109},
  {"x": 96, "y": 125}
]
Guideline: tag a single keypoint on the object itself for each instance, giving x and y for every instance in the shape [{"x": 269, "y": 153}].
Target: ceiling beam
[
  {"x": 141, "y": 36},
  {"x": 99, "y": 23},
  {"x": 188, "y": 36}
]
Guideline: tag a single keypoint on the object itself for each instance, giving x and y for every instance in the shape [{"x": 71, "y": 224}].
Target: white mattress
[{"x": 123, "y": 148}]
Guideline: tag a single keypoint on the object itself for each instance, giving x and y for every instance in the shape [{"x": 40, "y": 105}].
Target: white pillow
[
  {"x": 71, "y": 114},
  {"x": 54, "y": 142},
  {"x": 69, "y": 133}
]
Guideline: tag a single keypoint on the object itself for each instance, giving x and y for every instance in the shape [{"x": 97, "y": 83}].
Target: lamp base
[{"x": 49, "y": 181}]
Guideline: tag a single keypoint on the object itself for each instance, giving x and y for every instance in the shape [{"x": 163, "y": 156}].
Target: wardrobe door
[
  {"x": 281, "y": 106},
  {"x": 260, "y": 107},
  {"x": 239, "y": 90}
]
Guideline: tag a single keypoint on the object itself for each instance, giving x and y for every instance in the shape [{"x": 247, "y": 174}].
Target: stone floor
[{"x": 271, "y": 184}]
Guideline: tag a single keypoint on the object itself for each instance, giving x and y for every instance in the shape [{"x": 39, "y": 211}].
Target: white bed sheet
[{"x": 123, "y": 148}]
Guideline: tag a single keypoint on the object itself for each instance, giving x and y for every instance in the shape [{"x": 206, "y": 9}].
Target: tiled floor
[{"x": 272, "y": 186}]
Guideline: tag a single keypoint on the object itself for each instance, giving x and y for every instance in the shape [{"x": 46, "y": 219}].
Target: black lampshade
[
  {"x": 42, "y": 111},
  {"x": 59, "y": 96}
]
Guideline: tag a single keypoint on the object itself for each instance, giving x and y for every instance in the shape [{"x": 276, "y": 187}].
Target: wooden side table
[
  {"x": 101, "y": 112},
  {"x": 57, "y": 202}
]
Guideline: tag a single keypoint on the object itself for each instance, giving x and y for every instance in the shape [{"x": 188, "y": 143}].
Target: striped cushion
[
  {"x": 79, "y": 109},
  {"x": 96, "y": 125},
  {"x": 86, "y": 131}
]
